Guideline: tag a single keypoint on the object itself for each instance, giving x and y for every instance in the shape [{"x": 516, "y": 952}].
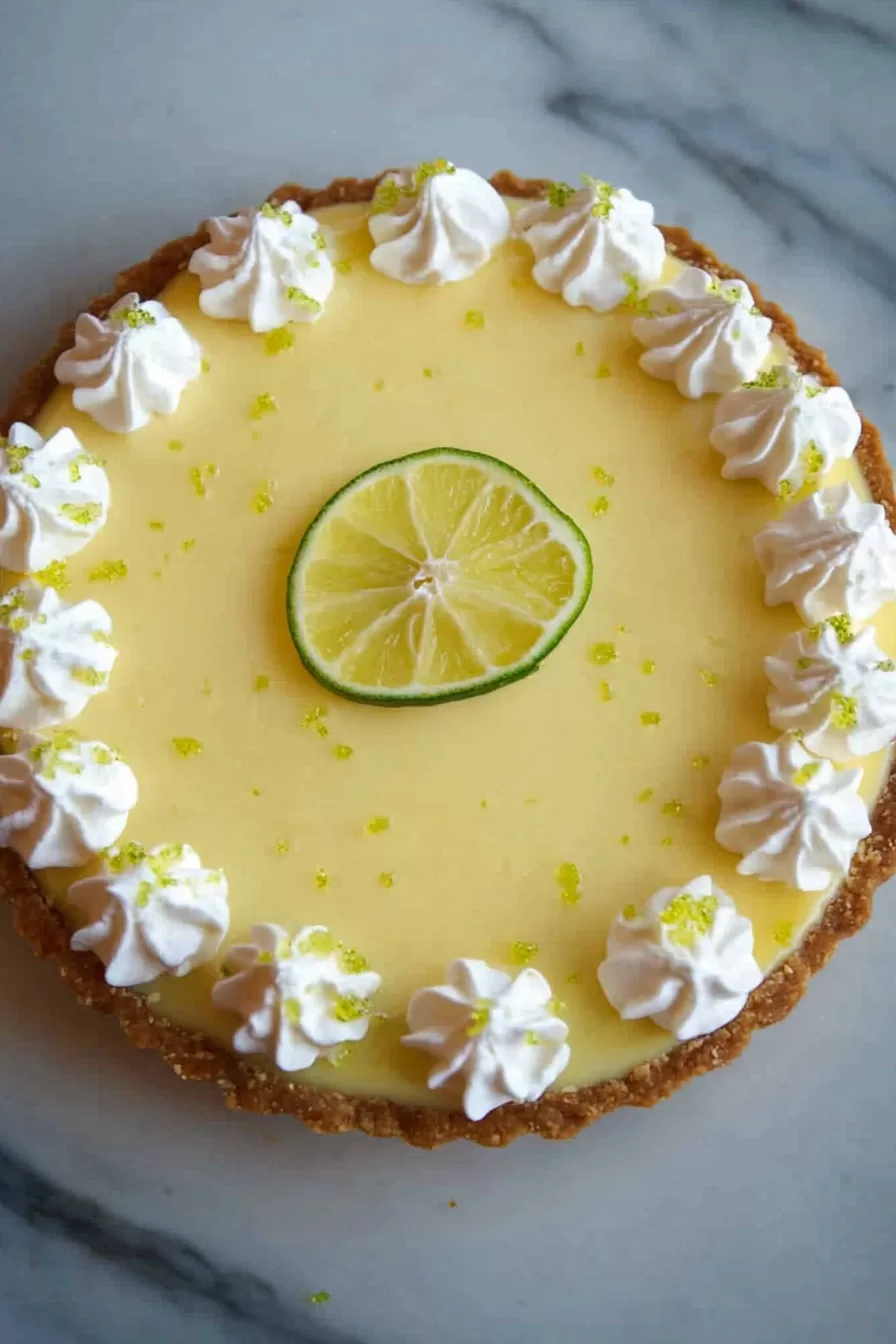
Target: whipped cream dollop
[
  {"x": 151, "y": 912},
  {"x": 300, "y": 998},
  {"x": 435, "y": 223},
  {"x": 265, "y": 266},
  {"x": 829, "y": 554},
  {"x": 834, "y": 689},
  {"x": 497, "y": 1039},
  {"x": 130, "y": 365},
  {"x": 54, "y": 656},
  {"x": 784, "y": 430},
  {"x": 54, "y": 498},
  {"x": 595, "y": 246},
  {"x": 685, "y": 959},
  {"x": 62, "y": 800},
  {"x": 703, "y": 334},
  {"x": 792, "y": 816}
]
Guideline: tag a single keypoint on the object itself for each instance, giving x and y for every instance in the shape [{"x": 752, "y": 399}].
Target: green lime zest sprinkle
[
  {"x": 134, "y": 317},
  {"x": 264, "y": 404},
  {"x": 187, "y": 746},
  {"x": 318, "y": 1299},
  {"x": 556, "y": 1006},
  {"x": 271, "y": 211},
  {"x": 427, "y": 373},
  {"x": 700, "y": 762},
  {"x": 673, "y": 808},
  {"x": 803, "y": 663},
  {"x": 522, "y": 954},
  {"x": 580, "y": 347},
  {"x": 16, "y": 456},
  {"x": 379, "y": 385},
  {"x": 688, "y": 917},
  {"x": 108, "y": 572},
  {"x": 625, "y": 839},
  {"x": 82, "y": 514},
  {"x": 603, "y": 370},
  {"x": 710, "y": 678},
  {"x": 350, "y": 1008},
  {"x": 104, "y": 756},
  {"x": 175, "y": 445},
  {"x": 376, "y": 825},
  {"x": 320, "y": 943},
  {"x": 634, "y": 299},
  {"x": 303, "y": 300},
  {"x": 338, "y": 1056},
  {"x": 278, "y": 340},
  {"x": 314, "y": 719},
  {"x": 532, "y": 1038},
  {"x": 292, "y": 1011},
  {"x": 31, "y": 479},
  {"x": 432, "y": 168},
  {"x": 667, "y": 841},
  {"x": 786, "y": 491},
  {"x": 27, "y": 655},
  {"x": 648, "y": 667},
  {"x": 342, "y": 751},
  {"x": 605, "y": 691},
  {"x": 264, "y": 497},
  {"x": 569, "y": 881},
  {"x": 782, "y": 932},
  {"x": 887, "y": 665},
  {"x": 128, "y": 855},
  {"x": 480, "y": 1017},
  {"x": 558, "y": 193},
  {"x": 629, "y": 911},
  {"x": 256, "y": 793},
  {"x": 603, "y": 653},
  {"x": 387, "y": 195},
  {"x": 812, "y": 389},
  {"x": 844, "y": 710},
  {"x": 606, "y": 195},
  {"x": 319, "y": 240},
  {"x": 321, "y": 878},
  {"x": 768, "y": 378},
  {"x": 599, "y": 506},
  {"x": 343, "y": 267},
  {"x": 156, "y": 525},
  {"x": 89, "y": 676},
  {"x": 187, "y": 544},
  {"x": 814, "y": 459},
  {"x": 144, "y": 891},
  {"x": 805, "y": 773},
  {"x": 282, "y": 847},
  {"x": 206, "y": 367},
  {"x": 352, "y": 961},
  {"x": 650, "y": 718},
  {"x": 644, "y": 796},
  {"x": 386, "y": 880},
  {"x": 842, "y": 628},
  {"x": 603, "y": 477},
  {"x": 198, "y": 483},
  {"x": 474, "y": 318},
  {"x": 261, "y": 682}
]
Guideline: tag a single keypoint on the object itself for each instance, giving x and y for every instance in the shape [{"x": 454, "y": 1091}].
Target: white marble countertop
[{"x": 756, "y": 1204}]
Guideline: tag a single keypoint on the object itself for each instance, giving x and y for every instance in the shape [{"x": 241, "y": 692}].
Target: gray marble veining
[{"x": 757, "y": 1204}]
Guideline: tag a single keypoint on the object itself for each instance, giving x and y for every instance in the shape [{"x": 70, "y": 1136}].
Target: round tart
[{"x": 430, "y": 913}]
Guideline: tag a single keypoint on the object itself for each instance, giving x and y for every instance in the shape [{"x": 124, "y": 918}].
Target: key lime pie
[{"x": 448, "y": 640}]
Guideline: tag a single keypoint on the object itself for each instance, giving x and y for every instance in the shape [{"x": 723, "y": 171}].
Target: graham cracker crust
[{"x": 557, "y": 1115}]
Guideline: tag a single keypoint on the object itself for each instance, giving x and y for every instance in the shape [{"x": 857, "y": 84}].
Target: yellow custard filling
[{"x": 513, "y": 827}]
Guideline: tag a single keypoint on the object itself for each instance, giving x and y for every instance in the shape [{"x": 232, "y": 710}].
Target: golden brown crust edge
[{"x": 558, "y": 1115}]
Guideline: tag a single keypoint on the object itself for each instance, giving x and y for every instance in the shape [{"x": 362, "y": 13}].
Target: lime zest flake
[
  {"x": 303, "y": 300},
  {"x": 630, "y": 911},
  {"x": 88, "y": 676},
  {"x": 379, "y": 385},
  {"x": 264, "y": 404},
  {"x": 648, "y": 667},
  {"x": 271, "y": 211},
  {"x": 156, "y": 525},
  {"x": 580, "y": 347},
  {"x": 603, "y": 370},
  {"x": 321, "y": 878},
  {"x": 343, "y": 267},
  {"x": 196, "y": 480},
  {"x": 558, "y": 193},
  {"x": 569, "y": 880},
  {"x": 480, "y": 1017},
  {"x": 700, "y": 762},
  {"x": 264, "y": 497},
  {"x": 427, "y": 372},
  {"x": 278, "y": 340},
  {"x": 644, "y": 796},
  {"x": 319, "y": 1298},
  {"x": 319, "y": 943},
  {"x": 782, "y": 932},
  {"x": 187, "y": 746},
  {"x": 474, "y": 318},
  {"x": 599, "y": 506},
  {"x": 688, "y": 917},
  {"x": 603, "y": 653},
  {"x": 261, "y": 682},
  {"x": 673, "y": 808},
  {"x": 844, "y": 710},
  {"x": 710, "y": 678},
  {"x": 314, "y": 719},
  {"x": 603, "y": 477},
  {"x": 625, "y": 839},
  {"x": 376, "y": 825},
  {"x": 343, "y": 752},
  {"x": 133, "y": 317},
  {"x": 666, "y": 841},
  {"x": 81, "y": 514},
  {"x": 175, "y": 445},
  {"x": 523, "y": 954},
  {"x": 386, "y": 880},
  {"x": 605, "y": 691},
  {"x": 650, "y": 718},
  {"x": 805, "y": 774},
  {"x": 108, "y": 572},
  {"x": 282, "y": 847}
]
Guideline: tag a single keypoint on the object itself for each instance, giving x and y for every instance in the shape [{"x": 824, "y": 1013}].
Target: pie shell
[{"x": 557, "y": 1115}]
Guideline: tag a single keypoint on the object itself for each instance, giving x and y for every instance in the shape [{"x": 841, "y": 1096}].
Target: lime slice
[{"x": 432, "y": 577}]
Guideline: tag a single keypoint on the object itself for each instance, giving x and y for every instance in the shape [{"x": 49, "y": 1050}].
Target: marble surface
[{"x": 757, "y": 1203}]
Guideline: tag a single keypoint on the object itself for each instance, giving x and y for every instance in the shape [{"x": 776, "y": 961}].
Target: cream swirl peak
[{"x": 54, "y": 498}]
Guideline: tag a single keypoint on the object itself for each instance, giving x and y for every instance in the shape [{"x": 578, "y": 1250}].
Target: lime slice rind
[{"x": 513, "y": 575}]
